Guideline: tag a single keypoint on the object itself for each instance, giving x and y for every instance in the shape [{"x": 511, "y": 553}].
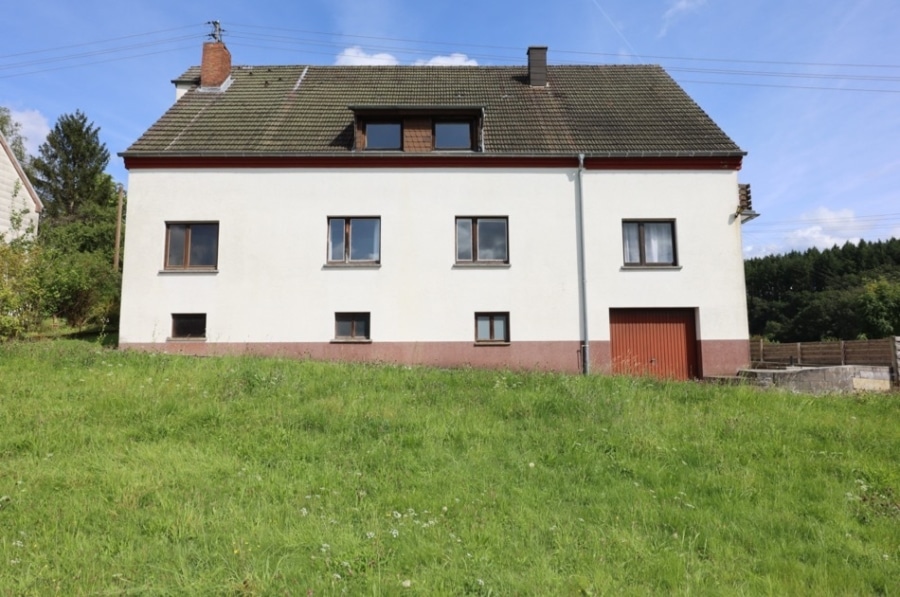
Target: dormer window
[
  {"x": 417, "y": 129},
  {"x": 453, "y": 135},
  {"x": 385, "y": 136}
]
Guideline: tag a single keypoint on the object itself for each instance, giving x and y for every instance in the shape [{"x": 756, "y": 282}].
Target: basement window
[
  {"x": 188, "y": 326},
  {"x": 492, "y": 328},
  {"x": 352, "y": 327}
]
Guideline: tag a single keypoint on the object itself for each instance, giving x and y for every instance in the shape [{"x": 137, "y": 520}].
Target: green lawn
[{"x": 126, "y": 473}]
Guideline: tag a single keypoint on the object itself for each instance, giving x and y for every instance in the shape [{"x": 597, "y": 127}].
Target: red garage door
[{"x": 657, "y": 342}]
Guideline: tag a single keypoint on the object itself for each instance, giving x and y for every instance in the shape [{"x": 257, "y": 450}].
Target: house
[
  {"x": 562, "y": 218},
  {"x": 20, "y": 206}
]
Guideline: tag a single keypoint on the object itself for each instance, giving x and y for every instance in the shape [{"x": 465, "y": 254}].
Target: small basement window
[
  {"x": 492, "y": 327},
  {"x": 189, "y": 325},
  {"x": 384, "y": 135},
  {"x": 351, "y": 327}
]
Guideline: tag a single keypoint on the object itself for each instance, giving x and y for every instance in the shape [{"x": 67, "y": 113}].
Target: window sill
[
  {"x": 492, "y": 343},
  {"x": 186, "y": 339},
  {"x": 649, "y": 268},
  {"x": 181, "y": 272},
  {"x": 351, "y": 341},
  {"x": 481, "y": 265},
  {"x": 362, "y": 265}
]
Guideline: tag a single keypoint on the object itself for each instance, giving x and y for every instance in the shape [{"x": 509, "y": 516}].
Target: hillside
[
  {"x": 146, "y": 474},
  {"x": 846, "y": 293}
]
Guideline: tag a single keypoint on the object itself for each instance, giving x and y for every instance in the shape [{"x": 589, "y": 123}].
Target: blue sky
[{"x": 824, "y": 164}]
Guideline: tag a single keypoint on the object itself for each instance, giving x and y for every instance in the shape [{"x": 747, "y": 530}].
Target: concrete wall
[
  {"x": 273, "y": 286},
  {"x": 824, "y": 380}
]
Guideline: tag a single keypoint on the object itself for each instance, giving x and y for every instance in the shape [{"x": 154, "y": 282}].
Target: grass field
[{"x": 126, "y": 473}]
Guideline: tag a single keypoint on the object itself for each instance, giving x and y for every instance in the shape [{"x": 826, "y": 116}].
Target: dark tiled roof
[{"x": 597, "y": 110}]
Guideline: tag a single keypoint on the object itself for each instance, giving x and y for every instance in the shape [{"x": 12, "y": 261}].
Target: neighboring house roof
[
  {"x": 6, "y": 150},
  {"x": 612, "y": 110}
]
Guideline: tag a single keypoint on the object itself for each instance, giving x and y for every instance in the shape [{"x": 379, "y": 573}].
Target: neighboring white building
[
  {"x": 17, "y": 197},
  {"x": 450, "y": 216}
]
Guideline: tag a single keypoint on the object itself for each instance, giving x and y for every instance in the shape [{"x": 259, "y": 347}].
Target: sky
[{"x": 809, "y": 89}]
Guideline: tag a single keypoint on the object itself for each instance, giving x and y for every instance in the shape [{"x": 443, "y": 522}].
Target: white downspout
[{"x": 582, "y": 277}]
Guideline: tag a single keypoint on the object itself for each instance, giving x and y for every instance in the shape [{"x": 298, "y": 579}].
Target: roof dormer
[{"x": 418, "y": 129}]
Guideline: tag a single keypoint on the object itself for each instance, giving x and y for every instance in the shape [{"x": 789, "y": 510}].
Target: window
[
  {"x": 492, "y": 327},
  {"x": 384, "y": 135},
  {"x": 354, "y": 240},
  {"x": 351, "y": 326},
  {"x": 649, "y": 242},
  {"x": 192, "y": 245},
  {"x": 452, "y": 135},
  {"x": 189, "y": 325},
  {"x": 481, "y": 240}
]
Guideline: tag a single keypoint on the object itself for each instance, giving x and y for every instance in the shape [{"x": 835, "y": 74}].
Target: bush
[
  {"x": 80, "y": 287},
  {"x": 20, "y": 289}
]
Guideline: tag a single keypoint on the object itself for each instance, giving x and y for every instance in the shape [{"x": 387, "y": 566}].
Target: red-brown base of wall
[{"x": 719, "y": 357}]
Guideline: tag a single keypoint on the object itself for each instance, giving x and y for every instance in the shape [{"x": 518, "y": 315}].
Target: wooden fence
[{"x": 883, "y": 353}]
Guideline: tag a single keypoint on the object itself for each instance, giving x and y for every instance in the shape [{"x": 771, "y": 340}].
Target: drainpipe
[{"x": 582, "y": 277}]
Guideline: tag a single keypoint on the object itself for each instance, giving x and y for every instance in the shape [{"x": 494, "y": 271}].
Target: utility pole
[
  {"x": 217, "y": 31},
  {"x": 118, "y": 228}
]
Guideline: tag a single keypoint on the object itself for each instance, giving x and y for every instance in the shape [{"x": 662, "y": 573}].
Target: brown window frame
[
  {"x": 346, "y": 259},
  {"x": 434, "y": 134},
  {"x": 642, "y": 248},
  {"x": 186, "y": 264},
  {"x": 398, "y": 123},
  {"x": 474, "y": 220},
  {"x": 179, "y": 320},
  {"x": 354, "y": 317},
  {"x": 493, "y": 316}
]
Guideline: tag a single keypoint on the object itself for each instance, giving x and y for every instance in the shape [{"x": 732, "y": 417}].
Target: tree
[
  {"x": 879, "y": 307},
  {"x": 78, "y": 224},
  {"x": 68, "y": 172},
  {"x": 12, "y": 131}
]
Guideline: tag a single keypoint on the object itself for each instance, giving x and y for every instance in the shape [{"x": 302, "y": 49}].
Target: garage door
[{"x": 656, "y": 342}]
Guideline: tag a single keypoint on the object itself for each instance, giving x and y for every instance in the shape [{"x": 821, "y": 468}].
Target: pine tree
[{"x": 68, "y": 172}]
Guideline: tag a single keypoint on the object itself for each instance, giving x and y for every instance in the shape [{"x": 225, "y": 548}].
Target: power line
[
  {"x": 303, "y": 44},
  {"x": 558, "y": 51},
  {"x": 93, "y": 43},
  {"x": 52, "y": 59},
  {"x": 837, "y": 219},
  {"x": 116, "y": 59}
]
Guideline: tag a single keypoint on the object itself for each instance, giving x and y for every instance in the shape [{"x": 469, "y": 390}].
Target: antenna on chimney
[{"x": 217, "y": 31}]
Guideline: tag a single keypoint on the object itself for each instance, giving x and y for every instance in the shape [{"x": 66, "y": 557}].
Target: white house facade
[
  {"x": 20, "y": 206},
  {"x": 404, "y": 236}
]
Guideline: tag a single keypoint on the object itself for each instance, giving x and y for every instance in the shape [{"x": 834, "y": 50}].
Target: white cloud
[
  {"x": 455, "y": 59},
  {"x": 817, "y": 236},
  {"x": 356, "y": 56},
  {"x": 35, "y": 128},
  {"x": 678, "y": 8}
]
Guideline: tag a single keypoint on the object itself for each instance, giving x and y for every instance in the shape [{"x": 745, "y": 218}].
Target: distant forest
[{"x": 846, "y": 293}]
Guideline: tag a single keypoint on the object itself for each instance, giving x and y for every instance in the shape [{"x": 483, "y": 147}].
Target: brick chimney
[
  {"x": 537, "y": 66},
  {"x": 216, "y": 64}
]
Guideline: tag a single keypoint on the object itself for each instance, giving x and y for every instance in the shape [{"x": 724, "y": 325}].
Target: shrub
[{"x": 80, "y": 287}]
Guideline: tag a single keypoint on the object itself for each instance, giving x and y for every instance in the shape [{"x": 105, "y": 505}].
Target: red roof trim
[{"x": 434, "y": 161}]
